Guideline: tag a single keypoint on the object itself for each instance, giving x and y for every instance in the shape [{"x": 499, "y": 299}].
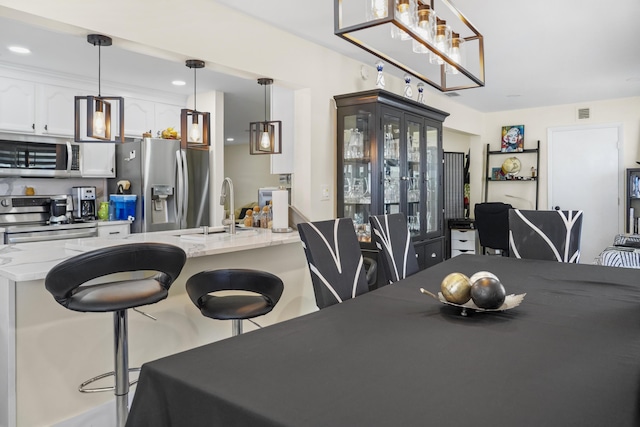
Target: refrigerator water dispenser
[{"x": 162, "y": 202}]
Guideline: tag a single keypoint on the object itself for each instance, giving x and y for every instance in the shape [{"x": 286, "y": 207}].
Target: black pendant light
[
  {"x": 193, "y": 134},
  {"x": 265, "y": 137},
  {"x": 98, "y": 109}
]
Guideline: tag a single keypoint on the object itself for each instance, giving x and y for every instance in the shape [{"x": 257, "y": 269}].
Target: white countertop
[{"x": 32, "y": 261}]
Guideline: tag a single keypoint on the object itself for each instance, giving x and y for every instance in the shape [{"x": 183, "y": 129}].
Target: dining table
[{"x": 568, "y": 355}]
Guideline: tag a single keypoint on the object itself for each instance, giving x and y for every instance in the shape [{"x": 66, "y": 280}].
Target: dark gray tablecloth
[{"x": 569, "y": 355}]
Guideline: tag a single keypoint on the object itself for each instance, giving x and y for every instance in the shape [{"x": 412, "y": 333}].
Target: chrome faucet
[{"x": 231, "y": 221}]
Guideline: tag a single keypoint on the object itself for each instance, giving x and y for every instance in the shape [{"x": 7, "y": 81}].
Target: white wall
[
  {"x": 247, "y": 172},
  {"x": 538, "y": 120}
]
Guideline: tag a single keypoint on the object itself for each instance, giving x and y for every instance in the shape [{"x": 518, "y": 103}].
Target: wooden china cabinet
[{"x": 390, "y": 159}]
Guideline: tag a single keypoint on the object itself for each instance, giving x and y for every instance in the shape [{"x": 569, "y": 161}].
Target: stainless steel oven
[{"x": 26, "y": 219}]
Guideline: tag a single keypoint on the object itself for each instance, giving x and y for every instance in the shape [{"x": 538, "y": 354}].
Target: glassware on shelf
[
  {"x": 355, "y": 146},
  {"x": 420, "y": 92},
  {"x": 413, "y": 194}
]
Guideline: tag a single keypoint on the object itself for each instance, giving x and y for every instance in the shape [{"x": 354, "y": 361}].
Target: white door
[{"x": 584, "y": 173}]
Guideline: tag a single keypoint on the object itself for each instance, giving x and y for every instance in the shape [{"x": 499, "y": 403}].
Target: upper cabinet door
[
  {"x": 139, "y": 117},
  {"x": 56, "y": 107},
  {"x": 166, "y": 116},
  {"x": 17, "y": 105}
]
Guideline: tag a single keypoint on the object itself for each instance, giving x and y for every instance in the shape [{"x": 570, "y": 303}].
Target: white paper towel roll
[{"x": 280, "y": 209}]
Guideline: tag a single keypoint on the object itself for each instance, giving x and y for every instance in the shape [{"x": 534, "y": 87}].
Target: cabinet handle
[
  {"x": 46, "y": 127},
  {"x": 433, "y": 255},
  {"x": 114, "y": 232},
  {"x": 33, "y": 126}
]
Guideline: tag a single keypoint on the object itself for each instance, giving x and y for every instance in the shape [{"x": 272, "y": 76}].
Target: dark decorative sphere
[
  {"x": 488, "y": 293},
  {"x": 456, "y": 288}
]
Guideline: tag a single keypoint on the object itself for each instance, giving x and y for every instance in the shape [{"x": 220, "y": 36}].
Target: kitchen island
[{"x": 47, "y": 350}]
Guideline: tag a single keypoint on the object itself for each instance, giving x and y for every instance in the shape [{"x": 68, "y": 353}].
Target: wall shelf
[{"x": 488, "y": 179}]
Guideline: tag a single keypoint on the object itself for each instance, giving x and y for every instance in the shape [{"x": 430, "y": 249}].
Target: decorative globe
[
  {"x": 456, "y": 288},
  {"x": 488, "y": 293},
  {"x": 511, "y": 166},
  {"x": 480, "y": 275}
]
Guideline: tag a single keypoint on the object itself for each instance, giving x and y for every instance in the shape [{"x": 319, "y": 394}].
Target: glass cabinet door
[
  {"x": 432, "y": 180},
  {"x": 412, "y": 181},
  {"x": 391, "y": 163},
  {"x": 356, "y": 161}
]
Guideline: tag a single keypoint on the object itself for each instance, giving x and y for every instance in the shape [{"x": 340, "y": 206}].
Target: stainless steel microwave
[{"x": 38, "y": 156}]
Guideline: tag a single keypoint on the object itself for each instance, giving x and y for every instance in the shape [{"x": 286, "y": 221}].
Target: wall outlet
[{"x": 324, "y": 192}]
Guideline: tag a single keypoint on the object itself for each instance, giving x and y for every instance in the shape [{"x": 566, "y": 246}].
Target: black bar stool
[
  {"x": 65, "y": 281},
  {"x": 266, "y": 288}
]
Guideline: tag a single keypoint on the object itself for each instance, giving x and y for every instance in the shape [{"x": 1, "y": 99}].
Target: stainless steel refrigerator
[{"x": 172, "y": 184}]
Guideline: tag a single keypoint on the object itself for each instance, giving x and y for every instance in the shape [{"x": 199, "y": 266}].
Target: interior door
[{"x": 584, "y": 173}]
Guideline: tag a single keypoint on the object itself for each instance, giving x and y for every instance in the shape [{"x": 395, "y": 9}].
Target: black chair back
[
  {"x": 393, "y": 240},
  {"x": 492, "y": 223},
  {"x": 545, "y": 235},
  {"x": 335, "y": 260}
]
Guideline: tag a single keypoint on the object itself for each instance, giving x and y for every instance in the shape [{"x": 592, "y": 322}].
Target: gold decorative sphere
[{"x": 456, "y": 288}]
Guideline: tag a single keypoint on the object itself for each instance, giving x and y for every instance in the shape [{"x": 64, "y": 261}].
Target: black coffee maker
[
  {"x": 58, "y": 210},
  {"x": 84, "y": 203}
]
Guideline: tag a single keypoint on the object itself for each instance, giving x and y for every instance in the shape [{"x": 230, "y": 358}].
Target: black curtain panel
[
  {"x": 393, "y": 240},
  {"x": 545, "y": 235},
  {"x": 335, "y": 260}
]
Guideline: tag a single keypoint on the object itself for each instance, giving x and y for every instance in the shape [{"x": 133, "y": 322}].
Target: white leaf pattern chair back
[
  {"x": 393, "y": 240},
  {"x": 335, "y": 260},
  {"x": 545, "y": 235}
]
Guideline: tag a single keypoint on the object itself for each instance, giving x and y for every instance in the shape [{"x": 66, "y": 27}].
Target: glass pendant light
[
  {"x": 455, "y": 53},
  {"x": 442, "y": 41},
  {"x": 97, "y": 108},
  {"x": 424, "y": 27},
  {"x": 196, "y": 133},
  {"x": 377, "y": 9},
  {"x": 405, "y": 13},
  {"x": 265, "y": 137}
]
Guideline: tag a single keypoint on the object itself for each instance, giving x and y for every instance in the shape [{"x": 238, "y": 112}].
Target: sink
[{"x": 220, "y": 236}]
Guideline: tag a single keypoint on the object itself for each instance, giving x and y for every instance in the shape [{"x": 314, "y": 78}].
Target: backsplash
[{"x": 51, "y": 186}]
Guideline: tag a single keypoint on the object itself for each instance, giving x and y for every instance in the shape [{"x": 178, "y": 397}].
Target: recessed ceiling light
[
  {"x": 19, "y": 49},
  {"x": 178, "y": 83},
  {"x": 514, "y": 95},
  {"x": 230, "y": 140}
]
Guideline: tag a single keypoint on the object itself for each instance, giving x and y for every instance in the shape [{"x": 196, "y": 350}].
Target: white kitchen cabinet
[
  {"x": 142, "y": 116},
  {"x": 166, "y": 116},
  {"x": 56, "y": 107},
  {"x": 98, "y": 160},
  {"x": 114, "y": 229},
  {"x": 463, "y": 242},
  {"x": 17, "y": 105},
  {"x": 139, "y": 116},
  {"x": 41, "y": 109}
]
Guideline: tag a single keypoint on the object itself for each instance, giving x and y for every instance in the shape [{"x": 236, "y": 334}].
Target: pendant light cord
[
  {"x": 99, "y": 68},
  {"x": 195, "y": 85},
  {"x": 265, "y": 103}
]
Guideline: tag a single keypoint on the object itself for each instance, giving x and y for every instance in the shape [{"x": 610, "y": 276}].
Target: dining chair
[
  {"x": 545, "y": 235},
  {"x": 393, "y": 240},
  {"x": 335, "y": 260},
  {"x": 492, "y": 223}
]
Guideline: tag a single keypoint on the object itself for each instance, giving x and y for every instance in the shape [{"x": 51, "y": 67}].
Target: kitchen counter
[
  {"x": 47, "y": 350},
  {"x": 32, "y": 261}
]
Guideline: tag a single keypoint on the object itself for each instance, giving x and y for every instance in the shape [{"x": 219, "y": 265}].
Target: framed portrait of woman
[{"x": 512, "y": 139}]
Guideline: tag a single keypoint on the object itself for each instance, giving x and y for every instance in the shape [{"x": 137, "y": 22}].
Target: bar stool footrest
[{"x": 83, "y": 387}]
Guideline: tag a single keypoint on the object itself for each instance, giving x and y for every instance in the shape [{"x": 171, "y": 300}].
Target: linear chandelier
[
  {"x": 437, "y": 45},
  {"x": 97, "y": 109}
]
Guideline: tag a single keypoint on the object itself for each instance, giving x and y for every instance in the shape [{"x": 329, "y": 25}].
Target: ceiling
[{"x": 536, "y": 54}]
